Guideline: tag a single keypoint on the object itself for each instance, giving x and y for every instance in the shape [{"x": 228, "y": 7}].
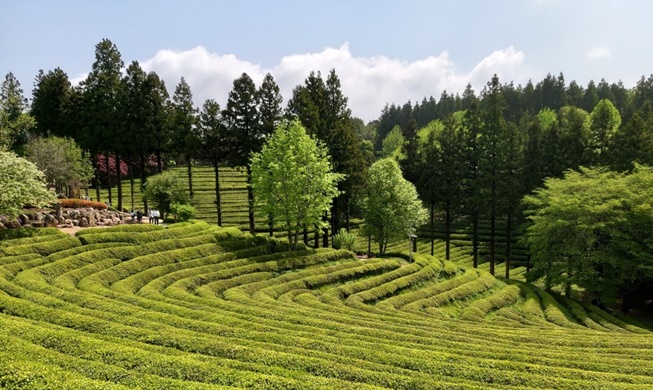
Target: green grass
[{"x": 203, "y": 307}]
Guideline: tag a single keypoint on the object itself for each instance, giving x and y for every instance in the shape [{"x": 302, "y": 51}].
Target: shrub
[
  {"x": 344, "y": 239},
  {"x": 81, "y": 203},
  {"x": 182, "y": 212}
]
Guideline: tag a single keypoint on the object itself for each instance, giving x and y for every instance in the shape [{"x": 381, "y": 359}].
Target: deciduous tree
[
  {"x": 392, "y": 208},
  {"x": 293, "y": 180}
]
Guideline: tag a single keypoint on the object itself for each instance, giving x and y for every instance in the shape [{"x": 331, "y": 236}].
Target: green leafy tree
[
  {"x": 61, "y": 160},
  {"x": 392, "y": 144},
  {"x": 21, "y": 183},
  {"x": 243, "y": 131},
  {"x": 15, "y": 123},
  {"x": 183, "y": 124},
  {"x": 392, "y": 207},
  {"x": 293, "y": 180},
  {"x": 212, "y": 148},
  {"x": 164, "y": 189},
  {"x": 592, "y": 228},
  {"x": 603, "y": 124}
]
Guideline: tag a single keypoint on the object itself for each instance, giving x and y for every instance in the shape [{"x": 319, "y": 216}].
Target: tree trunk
[
  {"x": 475, "y": 239},
  {"x": 106, "y": 161},
  {"x": 325, "y": 231},
  {"x": 295, "y": 240},
  {"x": 347, "y": 201},
  {"x": 216, "y": 170},
  {"x": 144, "y": 182},
  {"x": 119, "y": 179},
  {"x": 335, "y": 228},
  {"x": 432, "y": 227},
  {"x": 508, "y": 244},
  {"x": 189, "y": 165},
  {"x": 316, "y": 241},
  {"x": 493, "y": 223},
  {"x": 305, "y": 235},
  {"x": 250, "y": 201},
  {"x": 447, "y": 230},
  {"x": 131, "y": 181}
]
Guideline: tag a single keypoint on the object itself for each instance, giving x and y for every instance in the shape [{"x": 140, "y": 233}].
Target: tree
[
  {"x": 603, "y": 124},
  {"x": 21, "y": 183},
  {"x": 441, "y": 166},
  {"x": 393, "y": 144},
  {"x": 101, "y": 104},
  {"x": 492, "y": 158},
  {"x": 633, "y": 143},
  {"x": 164, "y": 189},
  {"x": 592, "y": 228},
  {"x": 61, "y": 160},
  {"x": 392, "y": 207},
  {"x": 269, "y": 106},
  {"x": 243, "y": 128},
  {"x": 51, "y": 93},
  {"x": 293, "y": 180},
  {"x": 14, "y": 122},
  {"x": 212, "y": 132},
  {"x": 184, "y": 132}
]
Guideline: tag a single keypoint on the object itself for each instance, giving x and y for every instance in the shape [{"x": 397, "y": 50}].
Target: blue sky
[{"x": 383, "y": 51}]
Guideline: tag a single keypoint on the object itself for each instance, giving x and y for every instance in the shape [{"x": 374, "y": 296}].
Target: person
[
  {"x": 133, "y": 216},
  {"x": 150, "y": 216},
  {"x": 156, "y": 217},
  {"x": 139, "y": 216}
]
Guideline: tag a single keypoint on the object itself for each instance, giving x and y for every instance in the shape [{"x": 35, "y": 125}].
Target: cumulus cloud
[
  {"x": 368, "y": 82},
  {"x": 598, "y": 53}
]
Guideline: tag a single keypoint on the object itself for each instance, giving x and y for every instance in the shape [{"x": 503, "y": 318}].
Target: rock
[
  {"x": 38, "y": 224},
  {"x": 2, "y": 226},
  {"x": 75, "y": 222},
  {"x": 39, "y": 216},
  {"x": 23, "y": 219},
  {"x": 91, "y": 221},
  {"x": 83, "y": 222},
  {"x": 61, "y": 220},
  {"x": 57, "y": 210},
  {"x": 50, "y": 221},
  {"x": 13, "y": 224}
]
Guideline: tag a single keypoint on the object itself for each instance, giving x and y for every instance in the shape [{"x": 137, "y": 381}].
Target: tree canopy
[
  {"x": 21, "y": 183},
  {"x": 293, "y": 180},
  {"x": 592, "y": 228},
  {"x": 392, "y": 208}
]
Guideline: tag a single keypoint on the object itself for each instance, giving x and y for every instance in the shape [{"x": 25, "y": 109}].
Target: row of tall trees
[
  {"x": 476, "y": 163},
  {"x": 130, "y": 117},
  {"x": 551, "y": 92}
]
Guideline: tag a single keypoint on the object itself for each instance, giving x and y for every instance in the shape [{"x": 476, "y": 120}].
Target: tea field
[{"x": 197, "y": 306}]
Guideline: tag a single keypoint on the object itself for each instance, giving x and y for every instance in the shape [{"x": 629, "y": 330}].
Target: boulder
[
  {"x": 2, "y": 226},
  {"x": 75, "y": 222},
  {"x": 38, "y": 224},
  {"x": 83, "y": 222},
  {"x": 23, "y": 219}
]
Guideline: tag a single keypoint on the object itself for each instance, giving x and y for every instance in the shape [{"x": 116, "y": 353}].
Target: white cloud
[
  {"x": 598, "y": 53},
  {"x": 368, "y": 82}
]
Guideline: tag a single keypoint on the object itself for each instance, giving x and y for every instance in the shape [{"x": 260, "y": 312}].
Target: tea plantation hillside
[
  {"x": 233, "y": 185},
  {"x": 196, "y": 306}
]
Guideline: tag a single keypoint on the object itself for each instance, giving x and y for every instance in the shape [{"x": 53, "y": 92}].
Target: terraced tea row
[{"x": 200, "y": 306}]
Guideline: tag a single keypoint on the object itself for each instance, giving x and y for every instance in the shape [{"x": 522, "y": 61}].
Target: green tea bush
[{"x": 344, "y": 239}]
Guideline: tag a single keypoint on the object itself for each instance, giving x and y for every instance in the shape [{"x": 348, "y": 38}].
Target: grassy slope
[{"x": 199, "y": 306}]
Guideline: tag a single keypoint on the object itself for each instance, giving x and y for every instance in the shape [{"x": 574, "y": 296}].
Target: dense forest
[{"x": 472, "y": 156}]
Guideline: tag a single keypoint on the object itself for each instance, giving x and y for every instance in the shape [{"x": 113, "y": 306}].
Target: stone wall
[{"x": 65, "y": 218}]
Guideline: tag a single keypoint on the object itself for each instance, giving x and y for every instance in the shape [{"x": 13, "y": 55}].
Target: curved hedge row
[{"x": 197, "y": 306}]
